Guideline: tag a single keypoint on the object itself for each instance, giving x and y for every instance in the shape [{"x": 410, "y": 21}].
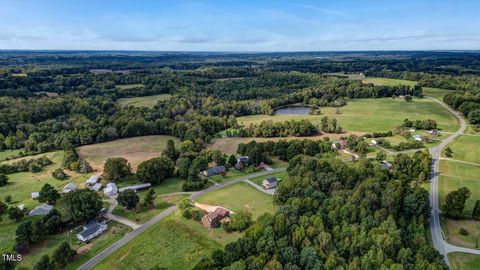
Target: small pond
[{"x": 293, "y": 110}]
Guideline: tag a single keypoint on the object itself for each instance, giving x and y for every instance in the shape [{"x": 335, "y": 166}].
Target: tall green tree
[
  {"x": 155, "y": 170},
  {"x": 149, "y": 199},
  {"x": 116, "y": 169},
  {"x": 170, "y": 151},
  {"x": 44, "y": 264},
  {"x": 63, "y": 255},
  {"x": 455, "y": 203},
  {"x": 48, "y": 194},
  {"x": 3, "y": 180},
  {"x": 128, "y": 199},
  {"x": 476, "y": 210},
  {"x": 80, "y": 205}
]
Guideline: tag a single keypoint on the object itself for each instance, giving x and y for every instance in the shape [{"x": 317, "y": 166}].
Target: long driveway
[
  {"x": 438, "y": 242},
  {"x": 127, "y": 238}
]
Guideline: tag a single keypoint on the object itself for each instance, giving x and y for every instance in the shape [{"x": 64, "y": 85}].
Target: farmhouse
[
  {"x": 433, "y": 132},
  {"x": 135, "y": 187},
  {"x": 91, "y": 230},
  {"x": 270, "y": 182},
  {"x": 212, "y": 219},
  {"x": 110, "y": 190},
  {"x": 42, "y": 209},
  {"x": 214, "y": 171},
  {"x": 96, "y": 187},
  {"x": 373, "y": 142},
  {"x": 69, "y": 187},
  {"x": 35, "y": 195},
  {"x": 92, "y": 180}
]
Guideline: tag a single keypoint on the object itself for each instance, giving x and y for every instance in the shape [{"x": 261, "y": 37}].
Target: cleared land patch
[
  {"x": 370, "y": 115},
  {"x": 9, "y": 154},
  {"x": 173, "y": 243},
  {"x": 146, "y": 101},
  {"x": 455, "y": 237},
  {"x": 240, "y": 196},
  {"x": 230, "y": 145},
  {"x": 464, "y": 261},
  {"x": 135, "y": 150}
]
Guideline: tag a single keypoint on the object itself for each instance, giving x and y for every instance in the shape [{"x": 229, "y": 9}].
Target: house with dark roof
[
  {"x": 215, "y": 171},
  {"x": 69, "y": 187},
  {"x": 96, "y": 187},
  {"x": 91, "y": 230},
  {"x": 243, "y": 159},
  {"x": 212, "y": 219},
  {"x": 385, "y": 165},
  {"x": 270, "y": 182},
  {"x": 92, "y": 180},
  {"x": 42, "y": 209}
]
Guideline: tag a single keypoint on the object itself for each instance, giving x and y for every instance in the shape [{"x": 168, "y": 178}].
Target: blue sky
[{"x": 240, "y": 25}]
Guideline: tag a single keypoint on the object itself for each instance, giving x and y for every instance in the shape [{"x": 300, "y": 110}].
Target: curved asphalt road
[
  {"x": 115, "y": 246},
  {"x": 438, "y": 242}
]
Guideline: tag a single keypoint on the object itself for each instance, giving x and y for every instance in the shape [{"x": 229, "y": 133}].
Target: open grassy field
[
  {"x": 370, "y": 115},
  {"x": 452, "y": 229},
  {"x": 391, "y": 82},
  {"x": 147, "y": 101},
  {"x": 280, "y": 176},
  {"x": 437, "y": 93},
  {"x": 230, "y": 145},
  {"x": 457, "y": 174},
  {"x": 464, "y": 261},
  {"x": 466, "y": 148},
  {"x": 8, "y": 154},
  {"x": 173, "y": 243},
  {"x": 23, "y": 183},
  {"x": 130, "y": 86},
  {"x": 240, "y": 196},
  {"x": 142, "y": 215},
  {"x": 135, "y": 150}
]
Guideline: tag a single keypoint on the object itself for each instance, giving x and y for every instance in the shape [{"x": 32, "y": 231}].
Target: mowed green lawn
[
  {"x": 464, "y": 261},
  {"x": 22, "y": 184},
  {"x": 130, "y": 86},
  {"x": 454, "y": 175},
  {"x": 371, "y": 115},
  {"x": 173, "y": 243},
  {"x": 466, "y": 148},
  {"x": 240, "y": 196},
  {"x": 8, "y": 154},
  {"x": 146, "y": 101},
  {"x": 135, "y": 150}
]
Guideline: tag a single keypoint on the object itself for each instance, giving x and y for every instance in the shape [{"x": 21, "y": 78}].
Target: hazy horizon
[{"x": 246, "y": 26}]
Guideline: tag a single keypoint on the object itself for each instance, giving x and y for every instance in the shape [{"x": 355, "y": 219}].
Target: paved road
[
  {"x": 268, "y": 191},
  {"x": 438, "y": 242},
  {"x": 127, "y": 238},
  {"x": 125, "y": 221}
]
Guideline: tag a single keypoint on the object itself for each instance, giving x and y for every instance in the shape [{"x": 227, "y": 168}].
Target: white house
[
  {"x": 110, "y": 190},
  {"x": 91, "y": 230},
  {"x": 96, "y": 187},
  {"x": 35, "y": 195},
  {"x": 69, "y": 187},
  {"x": 373, "y": 142},
  {"x": 92, "y": 180},
  {"x": 42, "y": 209}
]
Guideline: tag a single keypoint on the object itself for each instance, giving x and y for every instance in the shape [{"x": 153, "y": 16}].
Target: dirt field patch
[{"x": 135, "y": 150}]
